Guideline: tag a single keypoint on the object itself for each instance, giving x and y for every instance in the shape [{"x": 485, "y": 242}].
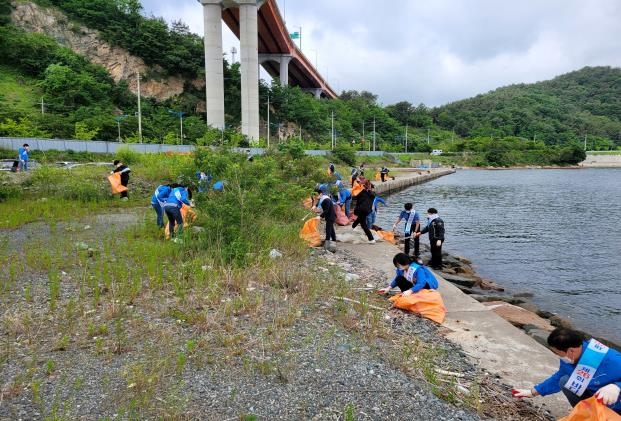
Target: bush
[{"x": 345, "y": 153}]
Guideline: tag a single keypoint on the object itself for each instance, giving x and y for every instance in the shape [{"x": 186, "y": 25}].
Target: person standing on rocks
[
  {"x": 364, "y": 206},
  {"x": 325, "y": 207},
  {"x": 435, "y": 228},
  {"x": 412, "y": 226},
  {"x": 587, "y": 368},
  {"x": 410, "y": 277},
  {"x": 124, "y": 170}
]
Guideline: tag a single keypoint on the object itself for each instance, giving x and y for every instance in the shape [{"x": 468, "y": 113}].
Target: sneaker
[
  {"x": 371, "y": 241},
  {"x": 177, "y": 240}
]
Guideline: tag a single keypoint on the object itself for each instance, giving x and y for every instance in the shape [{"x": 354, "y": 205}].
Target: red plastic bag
[{"x": 591, "y": 410}]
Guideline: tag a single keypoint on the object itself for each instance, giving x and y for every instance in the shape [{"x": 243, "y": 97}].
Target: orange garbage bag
[
  {"x": 357, "y": 188},
  {"x": 591, "y": 410},
  {"x": 115, "y": 183},
  {"x": 387, "y": 236},
  {"x": 426, "y": 302},
  {"x": 378, "y": 177},
  {"x": 308, "y": 202},
  {"x": 189, "y": 216},
  {"x": 310, "y": 232},
  {"x": 341, "y": 218}
]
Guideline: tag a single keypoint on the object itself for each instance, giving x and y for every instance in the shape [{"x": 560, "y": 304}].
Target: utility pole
[
  {"x": 42, "y": 106},
  {"x": 268, "y": 121},
  {"x": 406, "y": 137},
  {"x": 333, "y": 139},
  {"x": 139, "y": 110},
  {"x": 428, "y": 135},
  {"x": 373, "y": 134}
]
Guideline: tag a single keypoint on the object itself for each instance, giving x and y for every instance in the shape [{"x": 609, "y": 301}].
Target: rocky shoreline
[{"x": 515, "y": 307}]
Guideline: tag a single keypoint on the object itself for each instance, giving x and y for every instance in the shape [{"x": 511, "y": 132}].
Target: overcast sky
[{"x": 438, "y": 51}]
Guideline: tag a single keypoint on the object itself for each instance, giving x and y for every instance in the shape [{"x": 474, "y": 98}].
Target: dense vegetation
[{"x": 49, "y": 91}]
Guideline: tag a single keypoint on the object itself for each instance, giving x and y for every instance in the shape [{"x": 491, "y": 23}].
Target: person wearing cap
[
  {"x": 124, "y": 170},
  {"x": 586, "y": 368}
]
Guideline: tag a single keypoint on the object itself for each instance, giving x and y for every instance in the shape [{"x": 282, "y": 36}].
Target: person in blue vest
[
  {"x": 412, "y": 226},
  {"x": 159, "y": 198},
  {"x": 175, "y": 200},
  {"x": 587, "y": 368},
  {"x": 344, "y": 197},
  {"x": 410, "y": 277},
  {"x": 325, "y": 207},
  {"x": 23, "y": 153}
]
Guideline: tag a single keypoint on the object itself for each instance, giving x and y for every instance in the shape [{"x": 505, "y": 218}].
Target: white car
[{"x": 436, "y": 152}]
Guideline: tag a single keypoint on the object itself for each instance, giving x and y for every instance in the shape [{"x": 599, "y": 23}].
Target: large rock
[
  {"x": 460, "y": 280},
  {"x": 518, "y": 316}
]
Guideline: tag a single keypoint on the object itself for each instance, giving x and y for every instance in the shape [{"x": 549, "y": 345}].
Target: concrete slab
[{"x": 490, "y": 341}]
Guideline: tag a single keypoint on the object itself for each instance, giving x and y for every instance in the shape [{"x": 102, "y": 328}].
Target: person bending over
[
  {"x": 410, "y": 277},
  {"x": 587, "y": 368}
]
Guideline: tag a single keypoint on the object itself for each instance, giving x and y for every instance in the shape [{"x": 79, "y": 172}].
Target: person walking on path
[
  {"x": 410, "y": 277},
  {"x": 587, "y": 368},
  {"x": 435, "y": 228},
  {"x": 364, "y": 206},
  {"x": 124, "y": 170},
  {"x": 412, "y": 226},
  {"x": 23, "y": 155},
  {"x": 325, "y": 207},
  {"x": 175, "y": 200}
]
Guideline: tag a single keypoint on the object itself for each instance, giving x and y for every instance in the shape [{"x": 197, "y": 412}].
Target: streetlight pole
[
  {"x": 180, "y": 115},
  {"x": 373, "y": 134},
  {"x": 118, "y": 120}
]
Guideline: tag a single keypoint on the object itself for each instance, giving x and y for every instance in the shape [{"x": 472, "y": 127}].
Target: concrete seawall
[
  {"x": 602, "y": 161},
  {"x": 412, "y": 177}
]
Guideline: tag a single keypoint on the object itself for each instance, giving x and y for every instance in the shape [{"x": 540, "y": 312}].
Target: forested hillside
[
  {"x": 47, "y": 90},
  {"x": 558, "y": 111}
]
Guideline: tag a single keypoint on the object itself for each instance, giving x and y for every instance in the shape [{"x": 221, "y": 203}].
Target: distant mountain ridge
[{"x": 566, "y": 108}]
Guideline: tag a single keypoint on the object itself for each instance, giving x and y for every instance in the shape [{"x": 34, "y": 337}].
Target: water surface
[{"x": 555, "y": 233}]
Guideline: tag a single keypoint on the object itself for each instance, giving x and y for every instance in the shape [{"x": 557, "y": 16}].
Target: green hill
[{"x": 558, "y": 111}]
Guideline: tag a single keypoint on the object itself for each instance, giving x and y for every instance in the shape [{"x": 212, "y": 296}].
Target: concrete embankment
[
  {"x": 409, "y": 177},
  {"x": 602, "y": 161},
  {"x": 490, "y": 341}
]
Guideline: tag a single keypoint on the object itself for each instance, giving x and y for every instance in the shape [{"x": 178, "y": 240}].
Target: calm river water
[{"x": 555, "y": 233}]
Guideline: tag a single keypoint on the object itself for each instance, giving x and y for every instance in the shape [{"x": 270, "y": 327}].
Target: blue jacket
[
  {"x": 178, "y": 196},
  {"x": 161, "y": 194},
  {"x": 344, "y": 195},
  {"x": 420, "y": 276},
  {"x": 609, "y": 371},
  {"x": 23, "y": 154},
  {"x": 377, "y": 201}
]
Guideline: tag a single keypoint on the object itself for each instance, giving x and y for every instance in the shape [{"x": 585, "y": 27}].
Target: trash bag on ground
[
  {"x": 426, "y": 302},
  {"x": 310, "y": 232},
  {"x": 591, "y": 410}
]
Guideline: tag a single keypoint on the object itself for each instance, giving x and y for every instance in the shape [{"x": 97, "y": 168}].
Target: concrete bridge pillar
[
  {"x": 315, "y": 91},
  {"x": 249, "y": 59},
  {"x": 283, "y": 60},
  {"x": 214, "y": 73}
]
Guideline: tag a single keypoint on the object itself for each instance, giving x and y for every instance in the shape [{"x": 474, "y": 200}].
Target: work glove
[
  {"x": 522, "y": 393},
  {"x": 608, "y": 394}
]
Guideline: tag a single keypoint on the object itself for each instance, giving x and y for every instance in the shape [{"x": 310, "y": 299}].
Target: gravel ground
[{"x": 322, "y": 369}]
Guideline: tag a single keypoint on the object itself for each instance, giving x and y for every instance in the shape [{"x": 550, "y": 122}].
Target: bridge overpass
[{"x": 264, "y": 39}]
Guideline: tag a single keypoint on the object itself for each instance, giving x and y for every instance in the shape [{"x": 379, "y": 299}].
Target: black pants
[
  {"x": 436, "y": 254},
  {"x": 362, "y": 220},
  {"x": 330, "y": 233},
  {"x": 174, "y": 217},
  {"x": 383, "y": 176},
  {"x": 124, "y": 182},
  {"x": 415, "y": 240}
]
